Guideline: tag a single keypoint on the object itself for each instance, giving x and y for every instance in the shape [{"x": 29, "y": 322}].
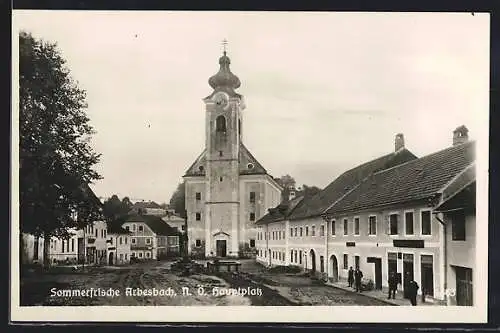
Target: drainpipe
[{"x": 445, "y": 256}]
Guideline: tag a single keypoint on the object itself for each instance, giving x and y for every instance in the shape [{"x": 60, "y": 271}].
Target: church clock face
[{"x": 221, "y": 99}]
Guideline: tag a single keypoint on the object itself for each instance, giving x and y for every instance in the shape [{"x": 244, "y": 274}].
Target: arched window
[{"x": 220, "y": 124}]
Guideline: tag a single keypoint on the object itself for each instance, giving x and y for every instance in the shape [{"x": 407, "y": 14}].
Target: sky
[{"x": 324, "y": 91}]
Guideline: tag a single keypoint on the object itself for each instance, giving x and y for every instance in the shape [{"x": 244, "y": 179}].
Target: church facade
[{"x": 227, "y": 189}]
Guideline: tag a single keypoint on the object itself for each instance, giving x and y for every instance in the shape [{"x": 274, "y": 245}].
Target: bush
[{"x": 285, "y": 269}]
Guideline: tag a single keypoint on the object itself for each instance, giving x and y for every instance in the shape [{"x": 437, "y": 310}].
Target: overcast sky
[{"x": 324, "y": 91}]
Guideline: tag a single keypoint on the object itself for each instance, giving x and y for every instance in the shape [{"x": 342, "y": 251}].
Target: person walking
[
  {"x": 358, "y": 275},
  {"x": 412, "y": 292},
  {"x": 393, "y": 285},
  {"x": 350, "y": 277}
]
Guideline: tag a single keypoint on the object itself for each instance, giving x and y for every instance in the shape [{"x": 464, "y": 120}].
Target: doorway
[
  {"x": 464, "y": 286},
  {"x": 111, "y": 258},
  {"x": 334, "y": 272},
  {"x": 221, "y": 248},
  {"x": 427, "y": 273},
  {"x": 408, "y": 272},
  {"x": 313, "y": 260}
]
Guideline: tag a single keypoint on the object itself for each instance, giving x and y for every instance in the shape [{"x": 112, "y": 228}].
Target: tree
[
  {"x": 55, "y": 159},
  {"x": 288, "y": 182},
  {"x": 113, "y": 208},
  {"x": 178, "y": 200}
]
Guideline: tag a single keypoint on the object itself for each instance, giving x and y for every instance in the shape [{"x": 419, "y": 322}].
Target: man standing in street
[
  {"x": 358, "y": 275},
  {"x": 412, "y": 292},
  {"x": 393, "y": 285},
  {"x": 350, "y": 277}
]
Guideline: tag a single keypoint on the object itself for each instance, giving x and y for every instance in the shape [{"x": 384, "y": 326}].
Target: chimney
[
  {"x": 291, "y": 193},
  {"x": 460, "y": 135},
  {"x": 399, "y": 142}
]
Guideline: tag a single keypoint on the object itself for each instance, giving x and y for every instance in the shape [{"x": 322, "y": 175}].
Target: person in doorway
[
  {"x": 350, "y": 277},
  {"x": 412, "y": 292},
  {"x": 358, "y": 275},
  {"x": 393, "y": 285}
]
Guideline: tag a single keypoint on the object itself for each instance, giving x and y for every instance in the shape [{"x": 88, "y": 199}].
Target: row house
[
  {"x": 379, "y": 217},
  {"x": 151, "y": 237},
  {"x": 458, "y": 209},
  {"x": 303, "y": 222}
]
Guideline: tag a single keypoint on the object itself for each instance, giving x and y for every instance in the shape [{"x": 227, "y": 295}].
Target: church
[{"x": 227, "y": 189}]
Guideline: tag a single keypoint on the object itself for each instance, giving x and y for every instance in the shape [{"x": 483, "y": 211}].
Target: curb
[{"x": 372, "y": 297}]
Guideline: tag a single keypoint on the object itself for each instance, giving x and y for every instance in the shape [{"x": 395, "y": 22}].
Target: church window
[
  {"x": 220, "y": 178},
  {"x": 198, "y": 242},
  {"x": 252, "y": 216},
  {"x": 201, "y": 168},
  {"x": 198, "y": 195},
  {"x": 220, "y": 124},
  {"x": 198, "y": 216},
  {"x": 252, "y": 196},
  {"x": 250, "y": 166},
  {"x": 252, "y": 242},
  {"x": 221, "y": 153}
]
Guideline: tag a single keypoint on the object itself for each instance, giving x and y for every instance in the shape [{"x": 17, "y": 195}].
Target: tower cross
[{"x": 224, "y": 45}]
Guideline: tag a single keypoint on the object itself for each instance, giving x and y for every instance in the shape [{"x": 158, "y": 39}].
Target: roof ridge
[{"x": 424, "y": 157}]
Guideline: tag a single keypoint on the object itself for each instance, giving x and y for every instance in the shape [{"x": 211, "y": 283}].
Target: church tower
[
  {"x": 226, "y": 188},
  {"x": 222, "y": 143}
]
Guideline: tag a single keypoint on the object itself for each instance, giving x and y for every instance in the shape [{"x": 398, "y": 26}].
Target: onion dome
[{"x": 224, "y": 79}]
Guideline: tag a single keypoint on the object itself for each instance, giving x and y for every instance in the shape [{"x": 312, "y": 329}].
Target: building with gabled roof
[
  {"x": 151, "y": 238},
  {"x": 227, "y": 189},
  {"x": 380, "y": 219}
]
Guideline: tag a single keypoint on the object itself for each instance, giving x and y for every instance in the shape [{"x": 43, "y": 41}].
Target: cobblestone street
[{"x": 276, "y": 289}]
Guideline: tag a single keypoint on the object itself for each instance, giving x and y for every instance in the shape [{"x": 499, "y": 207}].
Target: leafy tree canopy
[
  {"x": 56, "y": 160},
  {"x": 177, "y": 202}
]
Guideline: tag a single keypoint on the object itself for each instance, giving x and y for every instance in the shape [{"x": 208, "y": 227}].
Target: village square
[{"x": 396, "y": 229}]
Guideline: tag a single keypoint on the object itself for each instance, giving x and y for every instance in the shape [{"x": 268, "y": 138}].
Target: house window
[
  {"x": 295, "y": 253},
  {"x": 322, "y": 264},
  {"x": 307, "y": 231},
  {"x": 198, "y": 242},
  {"x": 148, "y": 240},
  {"x": 111, "y": 241},
  {"x": 458, "y": 226},
  {"x": 300, "y": 257},
  {"x": 141, "y": 228},
  {"x": 96, "y": 233},
  {"x": 183, "y": 228},
  {"x": 393, "y": 224},
  {"x": 333, "y": 228},
  {"x": 105, "y": 233},
  {"x": 126, "y": 255},
  {"x": 321, "y": 230},
  {"x": 356, "y": 262},
  {"x": 252, "y": 243},
  {"x": 346, "y": 227},
  {"x": 148, "y": 254},
  {"x": 252, "y": 216},
  {"x": 313, "y": 230},
  {"x": 356, "y": 226},
  {"x": 252, "y": 197},
  {"x": 372, "y": 225},
  {"x": 198, "y": 216},
  {"x": 140, "y": 254},
  {"x": 134, "y": 241},
  {"x": 221, "y": 153},
  {"x": 426, "y": 222},
  {"x": 295, "y": 231},
  {"x": 126, "y": 240},
  {"x": 291, "y": 255},
  {"x": 409, "y": 223},
  {"x": 291, "y": 232},
  {"x": 220, "y": 179},
  {"x": 300, "y": 231},
  {"x": 62, "y": 246},
  {"x": 127, "y": 228},
  {"x": 121, "y": 240},
  {"x": 346, "y": 263},
  {"x": 198, "y": 196},
  {"x": 133, "y": 227}
]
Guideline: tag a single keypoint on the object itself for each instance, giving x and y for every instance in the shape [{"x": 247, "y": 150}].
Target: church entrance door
[{"x": 221, "y": 248}]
